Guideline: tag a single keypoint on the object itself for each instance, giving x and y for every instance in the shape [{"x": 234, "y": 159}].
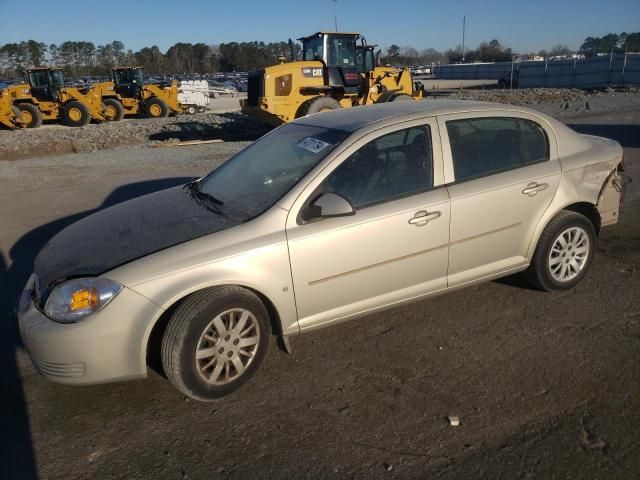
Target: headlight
[{"x": 73, "y": 300}]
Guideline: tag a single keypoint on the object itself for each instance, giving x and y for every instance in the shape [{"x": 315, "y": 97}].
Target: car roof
[{"x": 352, "y": 119}]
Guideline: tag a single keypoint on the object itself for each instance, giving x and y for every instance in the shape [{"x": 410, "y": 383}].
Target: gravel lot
[{"x": 546, "y": 385}]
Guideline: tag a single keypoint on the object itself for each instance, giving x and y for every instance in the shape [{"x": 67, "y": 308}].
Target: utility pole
[
  {"x": 335, "y": 13},
  {"x": 464, "y": 26}
]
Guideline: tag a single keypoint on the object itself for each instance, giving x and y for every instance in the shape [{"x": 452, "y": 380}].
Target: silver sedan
[{"x": 325, "y": 219}]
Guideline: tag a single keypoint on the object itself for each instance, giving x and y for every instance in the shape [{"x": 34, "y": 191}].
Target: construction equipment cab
[{"x": 334, "y": 72}]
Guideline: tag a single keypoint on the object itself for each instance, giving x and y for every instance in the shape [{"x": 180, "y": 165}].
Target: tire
[
  {"x": 75, "y": 114},
  {"x": 554, "y": 267},
  {"x": 30, "y": 115},
  {"x": 156, "y": 108},
  {"x": 192, "y": 109},
  {"x": 401, "y": 97},
  {"x": 201, "y": 314},
  {"x": 201, "y": 109},
  {"x": 318, "y": 105},
  {"x": 113, "y": 110}
]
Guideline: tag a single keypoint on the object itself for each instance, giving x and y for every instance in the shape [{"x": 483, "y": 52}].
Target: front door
[{"x": 394, "y": 248}]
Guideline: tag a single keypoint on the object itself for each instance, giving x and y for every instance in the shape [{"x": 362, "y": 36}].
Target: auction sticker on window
[{"x": 313, "y": 145}]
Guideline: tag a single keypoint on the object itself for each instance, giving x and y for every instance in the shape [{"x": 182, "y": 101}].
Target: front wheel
[
  {"x": 75, "y": 114},
  {"x": 215, "y": 341},
  {"x": 156, "y": 108},
  {"x": 564, "y": 252}
]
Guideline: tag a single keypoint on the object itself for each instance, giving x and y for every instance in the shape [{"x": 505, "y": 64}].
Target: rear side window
[{"x": 483, "y": 146}]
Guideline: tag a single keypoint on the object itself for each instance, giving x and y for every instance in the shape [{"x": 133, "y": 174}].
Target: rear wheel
[
  {"x": 156, "y": 108},
  {"x": 191, "y": 109},
  {"x": 30, "y": 115},
  {"x": 113, "y": 110},
  {"x": 318, "y": 105},
  {"x": 564, "y": 252},
  {"x": 75, "y": 114},
  {"x": 215, "y": 341}
]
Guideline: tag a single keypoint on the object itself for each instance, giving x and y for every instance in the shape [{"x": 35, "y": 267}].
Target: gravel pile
[
  {"x": 559, "y": 102},
  {"x": 56, "y": 140}
]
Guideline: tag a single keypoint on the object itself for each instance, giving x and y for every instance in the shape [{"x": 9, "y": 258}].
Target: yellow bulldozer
[
  {"x": 335, "y": 72},
  {"x": 45, "y": 96},
  {"x": 127, "y": 94}
]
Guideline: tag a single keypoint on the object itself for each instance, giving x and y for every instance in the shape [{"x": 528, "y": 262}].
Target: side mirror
[{"x": 329, "y": 205}]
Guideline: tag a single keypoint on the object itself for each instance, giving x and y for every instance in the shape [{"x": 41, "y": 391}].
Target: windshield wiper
[{"x": 204, "y": 199}]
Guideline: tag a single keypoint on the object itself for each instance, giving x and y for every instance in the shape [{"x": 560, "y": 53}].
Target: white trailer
[{"x": 193, "y": 95}]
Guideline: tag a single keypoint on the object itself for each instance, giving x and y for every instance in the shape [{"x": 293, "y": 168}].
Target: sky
[{"x": 525, "y": 26}]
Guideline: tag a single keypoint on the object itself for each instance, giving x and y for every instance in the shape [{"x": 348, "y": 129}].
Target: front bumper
[{"x": 109, "y": 345}]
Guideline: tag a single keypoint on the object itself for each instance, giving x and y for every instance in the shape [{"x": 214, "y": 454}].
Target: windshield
[
  {"x": 57, "y": 79},
  {"x": 138, "y": 76},
  {"x": 258, "y": 176},
  {"x": 341, "y": 51}
]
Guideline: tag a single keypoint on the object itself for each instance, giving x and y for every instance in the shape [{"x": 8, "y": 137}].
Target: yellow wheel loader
[
  {"x": 45, "y": 97},
  {"x": 335, "y": 72},
  {"x": 9, "y": 115},
  {"x": 127, "y": 94}
]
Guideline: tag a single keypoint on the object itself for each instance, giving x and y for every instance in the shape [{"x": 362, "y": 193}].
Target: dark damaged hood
[{"x": 125, "y": 232}]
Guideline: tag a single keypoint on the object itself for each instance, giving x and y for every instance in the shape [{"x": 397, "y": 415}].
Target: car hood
[{"x": 127, "y": 231}]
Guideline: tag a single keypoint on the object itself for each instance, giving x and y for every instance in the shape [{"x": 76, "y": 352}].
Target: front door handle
[
  {"x": 533, "y": 188},
  {"x": 422, "y": 217}
]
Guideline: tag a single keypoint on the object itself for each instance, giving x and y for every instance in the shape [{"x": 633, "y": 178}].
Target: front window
[
  {"x": 341, "y": 51},
  {"x": 137, "y": 76},
  {"x": 365, "y": 60},
  {"x": 57, "y": 79},
  {"x": 257, "y": 177},
  {"x": 391, "y": 166}
]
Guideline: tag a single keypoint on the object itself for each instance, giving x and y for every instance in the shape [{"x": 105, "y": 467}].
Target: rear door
[
  {"x": 395, "y": 247},
  {"x": 502, "y": 171}
]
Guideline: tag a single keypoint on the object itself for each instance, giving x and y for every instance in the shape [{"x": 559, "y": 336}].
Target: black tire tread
[{"x": 177, "y": 331}]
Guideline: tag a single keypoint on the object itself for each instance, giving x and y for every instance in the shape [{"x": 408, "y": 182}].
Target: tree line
[{"x": 86, "y": 58}]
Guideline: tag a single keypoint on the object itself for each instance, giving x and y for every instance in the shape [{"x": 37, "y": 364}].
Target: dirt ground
[{"x": 545, "y": 385}]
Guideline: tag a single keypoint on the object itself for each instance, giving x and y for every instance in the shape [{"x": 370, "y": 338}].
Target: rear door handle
[
  {"x": 533, "y": 188},
  {"x": 422, "y": 217}
]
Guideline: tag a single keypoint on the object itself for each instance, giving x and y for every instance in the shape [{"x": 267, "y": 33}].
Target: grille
[
  {"x": 255, "y": 87},
  {"x": 64, "y": 370}
]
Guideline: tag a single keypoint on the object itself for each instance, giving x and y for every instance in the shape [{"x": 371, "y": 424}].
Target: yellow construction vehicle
[
  {"x": 335, "y": 72},
  {"x": 9, "y": 115},
  {"x": 45, "y": 97},
  {"x": 127, "y": 94}
]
